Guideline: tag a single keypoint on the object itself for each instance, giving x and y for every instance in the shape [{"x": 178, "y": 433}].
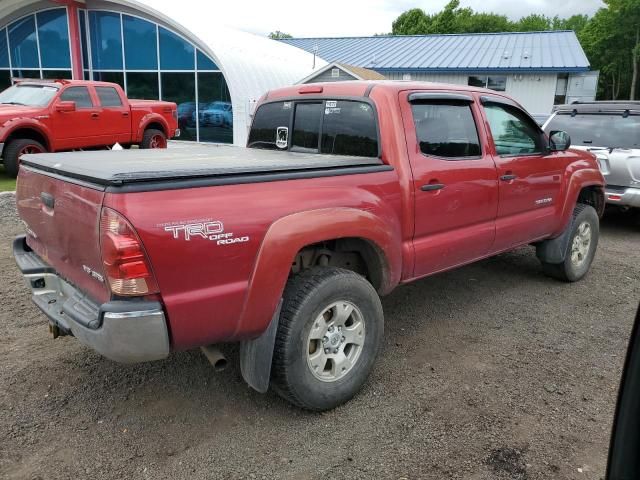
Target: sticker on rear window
[
  {"x": 282, "y": 137},
  {"x": 286, "y": 105}
]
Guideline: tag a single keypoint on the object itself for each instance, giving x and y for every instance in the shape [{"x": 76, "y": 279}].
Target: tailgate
[{"x": 62, "y": 222}]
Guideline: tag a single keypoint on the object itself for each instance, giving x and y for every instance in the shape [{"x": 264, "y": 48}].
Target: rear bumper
[
  {"x": 623, "y": 196},
  {"x": 126, "y": 331}
]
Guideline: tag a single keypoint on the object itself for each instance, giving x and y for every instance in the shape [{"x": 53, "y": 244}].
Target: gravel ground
[{"x": 491, "y": 371}]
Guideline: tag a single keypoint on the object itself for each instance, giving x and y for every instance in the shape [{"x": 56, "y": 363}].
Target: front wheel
[
  {"x": 153, "y": 138},
  {"x": 329, "y": 334},
  {"x": 15, "y": 150},
  {"x": 581, "y": 247}
]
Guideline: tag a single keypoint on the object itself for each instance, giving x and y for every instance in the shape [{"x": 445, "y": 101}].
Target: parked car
[
  {"x": 285, "y": 246},
  {"x": 217, "y": 114},
  {"x": 50, "y": 116},
  {"x": 610, "y": 130}
]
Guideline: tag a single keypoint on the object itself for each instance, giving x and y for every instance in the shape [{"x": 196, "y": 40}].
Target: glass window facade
[
  {"x": 175, "y": 53},
  {"x": 106, "y": 40},
  {"x": 140, "y": 49},
  {"x": 23, "y": 43},
  {"x": 146, "y": 59},
  {"x": 53, "y": 37},
  {"x": 151, "y": 62},
  {"x": 37, "y": 47}
]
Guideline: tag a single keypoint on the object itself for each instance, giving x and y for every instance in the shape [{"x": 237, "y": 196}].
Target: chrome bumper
[
  {"x": 623, "y": 196},
  {"x": 126, "y": 331}
]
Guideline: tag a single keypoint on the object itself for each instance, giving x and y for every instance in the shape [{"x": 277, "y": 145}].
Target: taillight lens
[{"x": 125, "y": 262}]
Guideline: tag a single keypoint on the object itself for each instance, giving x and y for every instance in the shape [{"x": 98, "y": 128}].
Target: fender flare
[
  {"x": 284, "y": 239},
  {"x": 578, "y": 180},
  {"x": 288, "y": 235},
  {"x": 147, "y": 120},
  {"x": 20, "y": 123}
]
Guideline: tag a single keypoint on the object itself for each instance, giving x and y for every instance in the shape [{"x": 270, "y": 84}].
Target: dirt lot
[{"x": 489, "y": 372}]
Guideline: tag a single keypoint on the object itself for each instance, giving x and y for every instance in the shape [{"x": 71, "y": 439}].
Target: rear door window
[
  {"x": 337, "y": 127},
  {"x": 446, "y": 130},
  {"x": 108, "y": 97}
]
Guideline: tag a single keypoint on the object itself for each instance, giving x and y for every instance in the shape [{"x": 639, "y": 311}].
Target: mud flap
[
  {"x": 555, "y": 250},
  {"x": 256, "y": 355}
]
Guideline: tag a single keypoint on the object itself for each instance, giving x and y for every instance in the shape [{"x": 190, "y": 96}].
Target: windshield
[
  {"x": 29, "y": 95},
  {"x": 599, "y": 130}
]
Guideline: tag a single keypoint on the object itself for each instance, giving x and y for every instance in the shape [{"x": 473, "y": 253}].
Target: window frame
[
  {"x": 70, "y": 87},
  {"x": 507, "y": 104},
  {"x": 443, "y": 100},
  {"x": 321, "y": 99}
]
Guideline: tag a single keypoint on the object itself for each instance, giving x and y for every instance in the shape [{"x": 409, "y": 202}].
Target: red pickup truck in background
[
  {"x": 49, "y": 116},
  {"x": 346, "y": 191}
]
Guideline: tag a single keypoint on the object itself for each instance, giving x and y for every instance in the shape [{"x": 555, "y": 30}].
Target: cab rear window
[{"x": 337, "y": 127}]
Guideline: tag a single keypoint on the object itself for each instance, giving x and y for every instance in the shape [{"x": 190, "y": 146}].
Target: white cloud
[{"x": 303, "y": 18}]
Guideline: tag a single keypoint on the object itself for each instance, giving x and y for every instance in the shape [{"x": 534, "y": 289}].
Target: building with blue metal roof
[{"x": 539, "y": 69}]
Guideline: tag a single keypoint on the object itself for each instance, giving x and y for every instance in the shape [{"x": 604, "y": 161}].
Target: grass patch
[{"x": 7, "y": 184}]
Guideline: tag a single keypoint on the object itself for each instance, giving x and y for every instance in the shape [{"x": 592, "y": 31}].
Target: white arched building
[{"x": 214, "y": 76}]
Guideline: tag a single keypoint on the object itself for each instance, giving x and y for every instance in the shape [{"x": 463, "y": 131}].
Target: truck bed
[{"x": 143, "y": 169}]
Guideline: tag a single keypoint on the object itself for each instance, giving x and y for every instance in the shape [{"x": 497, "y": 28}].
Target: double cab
[
  {"x": 344, "y": 192},
  {"x": 39, "y": 116}
]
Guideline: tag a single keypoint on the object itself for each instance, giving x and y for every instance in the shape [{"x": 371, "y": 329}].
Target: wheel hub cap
[
  {"x": 335, "y": 341},
  {"x": 580, "y": 245}
]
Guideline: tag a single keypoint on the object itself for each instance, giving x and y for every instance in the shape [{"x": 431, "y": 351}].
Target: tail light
[{"x": 125, "y": 263}]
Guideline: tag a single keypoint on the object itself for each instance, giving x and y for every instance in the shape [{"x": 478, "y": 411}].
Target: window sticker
[
  {"x": 282, "y": 137},
  {"x": 286, "y": 105},
  {"x": 332, "y": 103}
]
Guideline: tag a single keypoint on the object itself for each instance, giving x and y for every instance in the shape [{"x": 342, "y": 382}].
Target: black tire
[
  {"x": 569, "y": 271},
  {"x": 306, "y": 296},
  {"x": 12, "y": 152},
  {"x": 148, "y": 138}
]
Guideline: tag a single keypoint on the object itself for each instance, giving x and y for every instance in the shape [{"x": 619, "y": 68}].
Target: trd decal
[
  {"x": 207, "y": 229},
  {"x": 544, "y": 201}
]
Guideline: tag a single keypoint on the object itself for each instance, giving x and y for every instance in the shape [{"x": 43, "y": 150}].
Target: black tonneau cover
[{"x": 119, "y": 168}]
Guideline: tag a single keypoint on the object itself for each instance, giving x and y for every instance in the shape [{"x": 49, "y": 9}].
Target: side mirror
[
  {"x": 66, "y": 106},
  {"x": 559, "y": 141}
]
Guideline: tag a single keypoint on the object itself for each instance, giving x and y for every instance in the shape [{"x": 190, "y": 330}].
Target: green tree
[
  {"x": 574, "y": 22},
  {"x": 411, "y": 22},
  {"x": 533, "y": 23},
  {"x": 277, "y": 35}
]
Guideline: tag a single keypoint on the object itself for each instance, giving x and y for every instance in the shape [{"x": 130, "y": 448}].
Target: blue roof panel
[{"x": 553, "y": 50}]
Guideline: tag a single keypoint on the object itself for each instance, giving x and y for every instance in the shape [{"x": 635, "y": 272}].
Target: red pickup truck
[
  {"x": 50, "y": 116},
  {"x": 346, "y": 191}
]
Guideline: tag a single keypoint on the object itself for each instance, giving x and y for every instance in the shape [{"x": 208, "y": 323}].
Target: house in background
[
  {"x": 539, "y": 69},
  {"x": 338, "y": 72}
]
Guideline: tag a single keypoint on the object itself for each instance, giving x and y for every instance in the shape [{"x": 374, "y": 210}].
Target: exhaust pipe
[{"x": 215, "y": 357}]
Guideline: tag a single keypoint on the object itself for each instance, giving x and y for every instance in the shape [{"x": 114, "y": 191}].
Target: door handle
[
  {"x": 508, "y": 178},
  {"x": 125, "y": 114},
  {"x": 95, "y": 115},
  {"x": 430, "y": 187}
]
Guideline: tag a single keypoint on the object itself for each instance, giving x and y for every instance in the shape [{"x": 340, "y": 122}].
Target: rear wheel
[
  {"x": 329, "y": 334},
  {"x": 153, "y": 138},
  {"x": 17, "y": 148},
  {"x": 581, "y": 247}
]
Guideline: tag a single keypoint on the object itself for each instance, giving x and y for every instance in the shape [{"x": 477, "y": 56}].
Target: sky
[{"x": 304, "y": 18}]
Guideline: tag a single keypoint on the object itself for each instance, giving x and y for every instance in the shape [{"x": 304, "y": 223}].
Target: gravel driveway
[{"x": 492, "y": 371}]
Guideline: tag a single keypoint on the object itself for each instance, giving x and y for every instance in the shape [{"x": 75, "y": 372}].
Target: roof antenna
[{"x": 315, "y": 52}]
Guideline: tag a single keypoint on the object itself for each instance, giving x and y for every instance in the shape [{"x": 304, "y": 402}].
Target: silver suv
[{"x": 611, "y": 131}]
